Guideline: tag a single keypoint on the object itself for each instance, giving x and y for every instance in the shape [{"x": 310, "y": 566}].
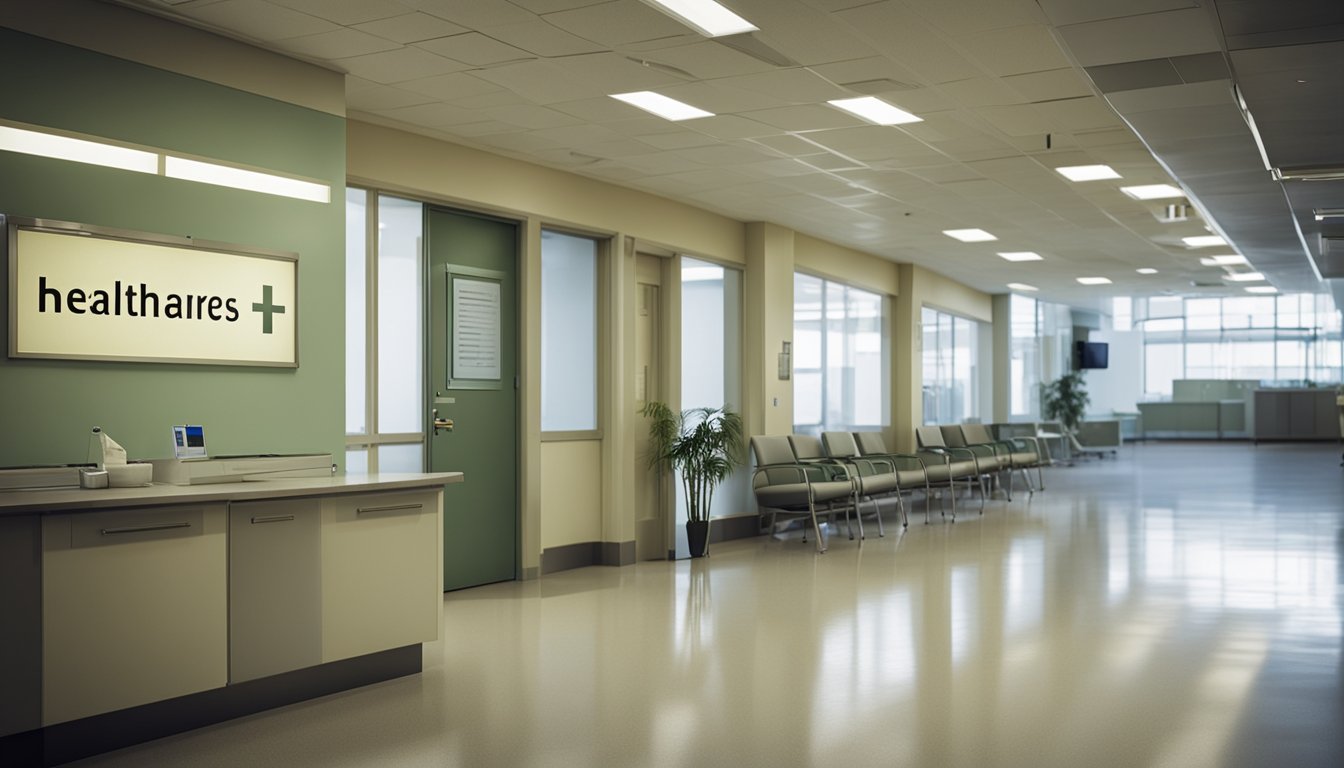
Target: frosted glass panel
[
  {"x": 407, "y": 457},
  {"x": 356, "y": 461},
  {"x": 840, "y": 353},
  {"x": 356, "y": 258},
  {"x": 568, "y": 333},
  {"x": 401, "y": 345}
]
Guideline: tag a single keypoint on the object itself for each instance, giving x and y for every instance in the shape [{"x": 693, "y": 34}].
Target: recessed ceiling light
[
  {"x": 970, "y": 235},
  {"x": 1088, "y": 172},
  {"x": 1094, "y": 280},
  {"x": 1225, "y": 260},
  {"x": 1152, "y": 191},
  {"x": 77, "y": 150},
  {"x": 875, "y": 110},
  {"x": 1261, "y": 289},
  {"x": 1022, "y": 287},
  {"x": 705, "y": 16},
  {"x": 1244, "y": 277},
  {"x": 1146, "y": 271},
  {"x": 1203, "y": 241},
  {"x": 1021, "y": 256},
  {"x": 662, "y": 106}
]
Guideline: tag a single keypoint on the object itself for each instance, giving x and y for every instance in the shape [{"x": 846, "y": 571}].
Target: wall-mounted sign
[
  {"x": 87, "y": 293},
  {"x": 476, "y": 325}
]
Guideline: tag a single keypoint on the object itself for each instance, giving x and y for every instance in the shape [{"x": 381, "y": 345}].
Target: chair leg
[{"x": 821, "y": 537}]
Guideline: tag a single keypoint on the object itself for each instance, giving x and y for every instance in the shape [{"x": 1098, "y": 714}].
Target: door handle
[{"x": 439, "y": 423}]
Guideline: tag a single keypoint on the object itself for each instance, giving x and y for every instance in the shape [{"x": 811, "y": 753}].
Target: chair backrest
[
  {"x": 871, "y": 443},
  {"x": 771, "y": 449},
  {"x": 953, "y": 436},
  {"x": 976, "y": 433},
  {"x": 930, "y": 437},
  {"x": 806, "y": 447},
  {"x": 840, "y": 445}
]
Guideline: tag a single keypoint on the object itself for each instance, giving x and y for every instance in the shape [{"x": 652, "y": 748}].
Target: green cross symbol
[{"x": 267, "y": 308}]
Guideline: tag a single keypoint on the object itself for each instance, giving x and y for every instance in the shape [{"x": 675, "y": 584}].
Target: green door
[{"x": 473, "y": 372}]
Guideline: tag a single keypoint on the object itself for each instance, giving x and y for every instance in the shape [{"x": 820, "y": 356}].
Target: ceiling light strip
[
  {"x": 90, "y": 150},
  {"x": 662, "y": 106},
  {"x": 875, "y": 110},
  {"x": 704, "y": 16},
  {"x": 969, "y": 235},
  {"x": 1088, "y": 172}
]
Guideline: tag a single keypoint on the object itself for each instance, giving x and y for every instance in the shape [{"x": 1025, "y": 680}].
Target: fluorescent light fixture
[
  {"x": 1261, "y": 289},
  {"x": 662, "y": 106},
  {"x": 705, "y": 16},
  {"x": 1146, "y": 271},
  {"x": 1225, "y": 260},
  {"x": 1020, "y": 256},
  {"x": 1322, "y": 214},
  {"x": 1022, "y": 287},
  {"x": 1152, "y": 191},
  {"x": 1203, "y": 241},
  {"x": 1088, "y": 172},
  {"x": 970, "y": 235},
  {"x": 1308, "y": 174},
  {"x": 1095, "y": 280},
  {"x": 875, "y": 110},
  {"x": 240, "y": 178},
  {"x": 1245, "y": 277},
  {"x": 77, "y": 150}
]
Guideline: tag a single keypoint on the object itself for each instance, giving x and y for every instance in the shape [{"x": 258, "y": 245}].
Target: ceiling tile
[
  {"x": 1016, "y": 50},
  {"x": 718, "y": 98},
  {"x": 613, "y": 73},
  {"x": 1064, "y": 83},
  {"x": 434, "y": 115},
  {"x": 788, "y": 86},
  {"x": 801, "y": 33},
  {"x": 679, "y": 140},
  {"x": 411, "y": 28},
  {"x": 474, "y": 48},
  {"x": 257, "y": 19},
  {"x": 807, "y": 117},
  {"x": 731, "y": 127},
  {"x": 529, "y": 116},
  {"x": 551, "y": 6},
  {"x": 981, "y": 92},
  {"x": 1088, "y": 113},
  {"x": 901, "y": 34},
  {"x": 340, "y": 42},
  {"x": 450, "y": 87},
  {"x": 968, "y": 16},
  {"x": 346, "y": 12},
  {"x": 705, "y": 60},
  {"x": 540, "y": 82},
  {"x": 1021, "y": 120},
  {"x": 1062, "y": 12},
  {"x": 880, "y": 71},
  {"x": 473, "y": 14},
  {"x": 617, "y": 23},
  {"x": 1137, "y": 38},
  {"x": 541, "y": 38},
  {"x": 382, "y": 97},
  {"x": 397, "y": 65}
]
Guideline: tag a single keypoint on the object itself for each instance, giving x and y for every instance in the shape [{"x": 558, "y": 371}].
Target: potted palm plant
[
  {"x": 702, "y": 446},
  {"x": 1065, "y": 400}
]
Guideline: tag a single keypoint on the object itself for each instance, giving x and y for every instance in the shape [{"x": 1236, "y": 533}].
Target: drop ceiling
[{"x": 1008, "y": 90}]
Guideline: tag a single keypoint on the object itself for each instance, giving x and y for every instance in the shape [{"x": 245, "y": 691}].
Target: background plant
[
  {"x": 1065, "y": 400},
  {"x": 702, "y": 445}
]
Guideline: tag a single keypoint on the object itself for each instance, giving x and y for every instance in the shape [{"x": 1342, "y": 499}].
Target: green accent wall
[{"x": 48, "y": 407}]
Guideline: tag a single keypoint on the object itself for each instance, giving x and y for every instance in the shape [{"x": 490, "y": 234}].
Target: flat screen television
[{"x": 1092, "y": 354}]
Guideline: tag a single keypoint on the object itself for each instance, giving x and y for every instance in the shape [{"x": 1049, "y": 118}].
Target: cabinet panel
[
  {"x": 135, "y": 608},
  {"x": 381, "y": 575},
  {"x": 275, "y": 587}
]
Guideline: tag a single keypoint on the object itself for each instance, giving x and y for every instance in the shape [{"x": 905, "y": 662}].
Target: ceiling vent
[{"x": 1174, "y": 213}]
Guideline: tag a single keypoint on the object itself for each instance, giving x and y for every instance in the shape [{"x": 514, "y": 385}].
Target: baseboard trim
[{"x": 65, "y": 742}]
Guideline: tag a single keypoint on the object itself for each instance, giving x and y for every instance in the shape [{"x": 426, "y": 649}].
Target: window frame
[{"x": 604, "y": 246}]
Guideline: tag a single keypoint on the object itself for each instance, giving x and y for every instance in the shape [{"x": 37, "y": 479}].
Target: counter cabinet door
[
  {"x": 275, "y": 587},
  {"x": 134, "y": 608},
  {"x": 382, "y": 577}
]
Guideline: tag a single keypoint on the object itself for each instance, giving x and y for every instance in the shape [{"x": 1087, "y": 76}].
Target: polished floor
[{"x": 1178, "y": 606}]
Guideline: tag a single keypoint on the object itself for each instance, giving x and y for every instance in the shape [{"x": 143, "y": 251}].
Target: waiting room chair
[
  {"x": 959, "y": 464},
  {"x": 784, "y": 486},
  {"x": 808, "y": 449},
  {"x": 1023, "y": 454},
  {"x": 875, "y": 475},
  {"x": 992, "y": 459},
  {"x": 912, "y": 470}
]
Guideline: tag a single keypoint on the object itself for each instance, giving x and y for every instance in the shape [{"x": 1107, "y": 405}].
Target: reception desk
[{"x": 134, "y": 613}]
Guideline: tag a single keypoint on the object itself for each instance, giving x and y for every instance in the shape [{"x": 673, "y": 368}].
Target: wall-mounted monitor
[{"x": 1092, "y": 354}]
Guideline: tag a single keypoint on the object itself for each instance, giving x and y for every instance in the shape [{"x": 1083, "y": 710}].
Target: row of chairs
[{"x": 803, "y": 475}]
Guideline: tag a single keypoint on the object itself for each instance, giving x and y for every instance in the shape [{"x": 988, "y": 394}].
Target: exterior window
[
  {"x": 950, "y": 368},
  {"x": 840, "y": 356}
]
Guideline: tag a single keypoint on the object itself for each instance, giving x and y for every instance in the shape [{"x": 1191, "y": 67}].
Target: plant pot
[{"x": 697, "y": 537}]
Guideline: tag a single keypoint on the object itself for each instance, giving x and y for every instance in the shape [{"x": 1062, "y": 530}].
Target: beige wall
[
  {"x": 845, "y": 265},
  {"x": 571, "y": 506}
]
